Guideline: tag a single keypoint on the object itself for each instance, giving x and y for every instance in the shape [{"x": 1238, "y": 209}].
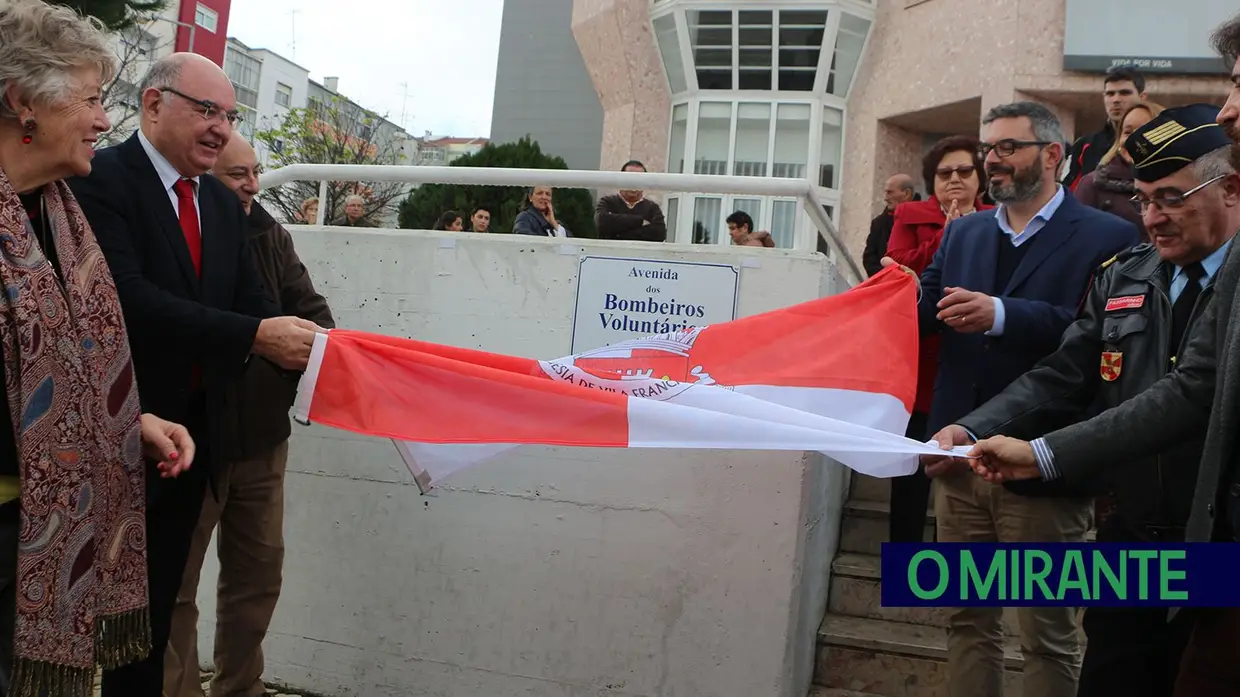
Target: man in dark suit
[
  {"x": 1002, "y": 288},
  {"x": 194, "y": 304},
  {"x": 1203, "y": 391}
]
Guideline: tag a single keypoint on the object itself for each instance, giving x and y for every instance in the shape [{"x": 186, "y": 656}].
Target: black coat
[
  {"x": 176, "y": 322},
  {"x": 1105, "y": 359}
]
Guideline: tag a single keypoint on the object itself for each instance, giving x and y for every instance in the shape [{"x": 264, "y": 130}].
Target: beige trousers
[
  {"x": 968, "y": 509},
  {"x": 250, "y": 545}
]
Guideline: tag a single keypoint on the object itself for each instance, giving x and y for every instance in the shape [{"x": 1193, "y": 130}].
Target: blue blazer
[{"x": 1040, "y": 300}]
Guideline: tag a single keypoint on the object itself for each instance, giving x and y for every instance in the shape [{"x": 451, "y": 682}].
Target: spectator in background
[
  {"x": 537, "y": 216},
  {"x": 629, "y": 215},
  {"x": 310, "y": 211},
  {"x": 450, "y": 220},
  {"x": 1110, "y": 187},
  {"x": 899, "y": 189},
  {"x": 354, "y": 213},
  {"x": 740, "y": 227},
  {"x": 952, "y": 170},
  {"x": 1122, "y": 88},
  {"x": 480, "y": 221}
]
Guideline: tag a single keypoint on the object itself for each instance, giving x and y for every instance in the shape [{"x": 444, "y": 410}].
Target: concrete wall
[
  {"x": 542, "y": 88},
  {"x": 551, "y": 572}
]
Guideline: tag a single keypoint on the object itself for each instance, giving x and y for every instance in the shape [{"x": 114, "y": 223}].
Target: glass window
[
  {"x": 206, "y": 18},
  {"x": 669, "y": 48},
  {"x": 783, "y": 223},
  {"x": 284, "y": 94},
  {"x": 710, "y": 36},
  {"x": 754, "y": 47},
  {"x": 680, "y": 130},
  {"x": 823, "y": 247},
  {"x": 713, "y": 131},
  {"x": 831, "y": 149},
  {"x": 753, "y": 135},
  {"x": 848, "y": 44},
  {"x": 671, "y": 216},
  {"x": 791, "y": 140},
  {"x": 243, "y": 70},
  {"x": 706, "y": 219},
  {"x": 800, "y": 45}
]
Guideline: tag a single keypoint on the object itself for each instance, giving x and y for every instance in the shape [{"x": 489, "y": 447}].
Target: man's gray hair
[
  {"x": 165, "y": 72},
  {"x": 1216, "y": 163},
  {"x": 41, "y": 45},
  {"x": 354, "y": 197},
  {"x": 1046, "y": 125}
]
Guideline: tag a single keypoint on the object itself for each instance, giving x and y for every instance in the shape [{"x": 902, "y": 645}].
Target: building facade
[
  {"x": 542, "y": 87},
  {"x": 443, "y": 151},
  {"x": 842, "y": 92}
]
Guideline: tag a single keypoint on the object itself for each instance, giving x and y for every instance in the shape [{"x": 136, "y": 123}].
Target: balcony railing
[{"x": 805, "y": 239}]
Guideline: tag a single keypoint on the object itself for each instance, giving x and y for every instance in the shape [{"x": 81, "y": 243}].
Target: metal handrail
[{"x": 801, "y": 189}]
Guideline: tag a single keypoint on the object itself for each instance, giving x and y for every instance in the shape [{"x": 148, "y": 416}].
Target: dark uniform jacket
[
  {"x": 257, "y": 418},
  {"x": 1086, "y": 153},
  {"x": 1203, "y": 389},
  {"x": 1117, "y": 348}
]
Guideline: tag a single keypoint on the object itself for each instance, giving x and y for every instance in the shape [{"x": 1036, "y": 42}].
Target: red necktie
[{"x": 188, "y": 213}]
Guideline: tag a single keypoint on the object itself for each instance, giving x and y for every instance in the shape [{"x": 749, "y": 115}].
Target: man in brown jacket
[{"x": 246, "y": 500}]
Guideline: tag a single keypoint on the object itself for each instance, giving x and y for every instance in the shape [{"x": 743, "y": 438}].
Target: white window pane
[
  {"x": 671, "y": 215},
  {"x": 791, "y": 140},
  {"x": 752, "y": 206},
  {"x": 755, "y": 44},
  {"x": 832, "y": 144},
  {"x": 848, "y": 45},
  {"x": 753, "y": 135},
  {"x": 706, "y": 219},
  {"x": 680, "y": 131},
  {"x": 800, "y": 39},
  {"x": 783, "y": 223},
  {"x": 714, "y": 129},
  {"x": 669, "y": 48},
  {"x": 710, "y": 37}
]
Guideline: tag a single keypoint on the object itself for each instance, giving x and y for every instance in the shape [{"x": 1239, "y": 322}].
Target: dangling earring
[{"x": 30, "y": 126}]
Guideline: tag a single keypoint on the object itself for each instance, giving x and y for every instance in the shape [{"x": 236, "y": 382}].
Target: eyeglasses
[
  {"x": 207, "y": 109},
  {"x": 1170, "y": 199},
  {"x": 1008, "y": 147},
  {"x": 945, "y": 173}
]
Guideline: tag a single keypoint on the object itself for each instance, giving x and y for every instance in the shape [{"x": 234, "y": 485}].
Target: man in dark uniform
[{"x": 1133, "y": 323}]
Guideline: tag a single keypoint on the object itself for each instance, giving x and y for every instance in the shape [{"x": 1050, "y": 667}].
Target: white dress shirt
[{"x": 169, "y": 176}]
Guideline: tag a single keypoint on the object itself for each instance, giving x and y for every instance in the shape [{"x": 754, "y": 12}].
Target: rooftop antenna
[
  {"x": 293, "y": 28},
  {"x": 404, "y": 107}
]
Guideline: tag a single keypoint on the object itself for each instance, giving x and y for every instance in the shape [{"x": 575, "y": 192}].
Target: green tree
[
  {"x": 333, "y": 133},
  {"x": 574, "y": 208},
  {"x": 116, "y": 14}
]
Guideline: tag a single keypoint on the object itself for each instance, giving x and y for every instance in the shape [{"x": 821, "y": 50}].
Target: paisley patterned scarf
[{"x": 81, "y": 556}]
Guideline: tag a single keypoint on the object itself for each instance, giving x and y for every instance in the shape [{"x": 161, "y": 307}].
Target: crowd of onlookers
[{"x": 1074, "y": 302}]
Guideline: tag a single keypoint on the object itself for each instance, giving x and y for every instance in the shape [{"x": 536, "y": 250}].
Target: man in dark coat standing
[
  {"x": 194, "y": 304},
  {"x": 247, "y": 502},
  {"x": 1002, "y": 288},
  {"x": 629, "y": 215},
  {"x": 899, "y": 189}
]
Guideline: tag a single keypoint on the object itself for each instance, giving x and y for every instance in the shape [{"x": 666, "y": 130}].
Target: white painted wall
[{"x": 552, "y": 572}]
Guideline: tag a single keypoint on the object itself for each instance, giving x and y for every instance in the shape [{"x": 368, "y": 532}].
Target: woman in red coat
[{"x": 953, "y": 172}]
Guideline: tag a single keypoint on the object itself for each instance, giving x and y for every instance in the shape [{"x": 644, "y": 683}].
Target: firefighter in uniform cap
[{"x": 1133, "y": 322}]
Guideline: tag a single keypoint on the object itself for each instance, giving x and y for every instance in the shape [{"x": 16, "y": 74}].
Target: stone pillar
[{"x": 621, "y": 53}]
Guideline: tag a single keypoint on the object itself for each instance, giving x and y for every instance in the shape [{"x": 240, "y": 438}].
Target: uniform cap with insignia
[{"x": 1175, "y": 139}]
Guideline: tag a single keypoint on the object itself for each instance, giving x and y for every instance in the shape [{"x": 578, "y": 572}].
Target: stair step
[
  {"x": 864, "y": 527},
  {"x": 867, "y": 488},
  {"x": 856, "y": 591},
  {"x": 819, "y": 691},
  {"x": 892, "y": 658}
]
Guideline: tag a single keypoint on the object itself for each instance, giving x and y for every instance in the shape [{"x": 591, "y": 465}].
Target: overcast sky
[{"x": 445, "y": 50}]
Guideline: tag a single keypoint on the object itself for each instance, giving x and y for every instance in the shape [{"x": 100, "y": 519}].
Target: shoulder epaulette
[{"x": 1127, "y": 254}]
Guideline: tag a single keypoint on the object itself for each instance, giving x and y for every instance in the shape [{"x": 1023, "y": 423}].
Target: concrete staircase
[{"x": 866, "y": 650}]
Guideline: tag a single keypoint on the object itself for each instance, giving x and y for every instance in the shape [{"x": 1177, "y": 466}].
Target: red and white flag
[{"x": 836, "y": 375}]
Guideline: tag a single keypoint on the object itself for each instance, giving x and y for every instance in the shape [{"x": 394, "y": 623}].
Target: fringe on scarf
[
  {"x": 123, "y": 638},
  {"x": 119, "y": 639}
]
